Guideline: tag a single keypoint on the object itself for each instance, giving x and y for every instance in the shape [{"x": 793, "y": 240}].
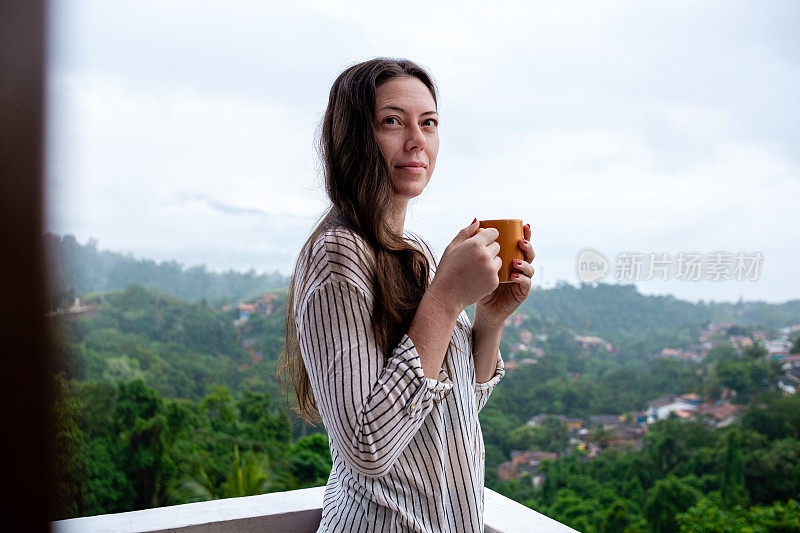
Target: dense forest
[
  {"x": 688, "y": 477},
  {"x": 164, "y": 400}
]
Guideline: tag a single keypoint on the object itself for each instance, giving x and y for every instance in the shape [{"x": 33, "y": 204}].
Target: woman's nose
[{"x": 416, "y": 139}]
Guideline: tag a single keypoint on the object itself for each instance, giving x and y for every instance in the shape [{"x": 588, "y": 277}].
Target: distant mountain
[
  {"x": 759, "y": 314},
  {"x": 627, "y": 318},
  {"x": 614, "y": 310},
  {"x": 618, "y": 313},
  {"x": 77, "y": 269}
]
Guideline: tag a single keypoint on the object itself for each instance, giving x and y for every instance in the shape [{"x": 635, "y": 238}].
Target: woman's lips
[{"x": 414, "y": 169}]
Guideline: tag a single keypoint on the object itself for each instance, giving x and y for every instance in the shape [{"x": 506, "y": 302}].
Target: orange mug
[{"x": 511, "y": 233}]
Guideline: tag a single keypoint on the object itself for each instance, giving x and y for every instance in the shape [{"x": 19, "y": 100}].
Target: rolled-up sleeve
[
  {"x": 371, "y": 405},
  {"x": 484, "y": 390}
]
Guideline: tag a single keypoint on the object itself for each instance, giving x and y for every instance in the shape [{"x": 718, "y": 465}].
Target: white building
[{"x": 661, "y": 408}]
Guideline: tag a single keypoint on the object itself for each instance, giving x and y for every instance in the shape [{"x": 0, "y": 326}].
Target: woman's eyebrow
[{"x": 401, "y": 110}]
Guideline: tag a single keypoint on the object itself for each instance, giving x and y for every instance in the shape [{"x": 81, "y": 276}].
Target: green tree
[
  {"x": 708, "y": 516},
  {"x": 181, "y": 417},
  {"x": 734, "y": 375},
  {"x": 774, "y": 473},
  {"x": 669, "y": 497},
  {"x": 554, "y": 436},
  {"x": 310, "y": 460},
  {"x": 105, "y": 484},
  {"x": 722, "y": 351},
  {"x": 746, "y": 377},
  {"x": 525, "y": 437},
  {"x": 551, "y": 435},
  {"x": 755, "y": 351},
  {"x": 219, "y": 407},
  {"x": 498, "y": 424},
  {"x": 617, "y": 518},
  {"x": 602, "y": 436},
  {"x": 268, "y": 428},
  {"x": 68, "y": 470},
  {"x": 199, "y": 486},
  {"x": 774, "y": 416},
  {"x": 246, "y": 479},
  {"x": 141, "y": 426},
  {"x": 575, "y": 511},
  {"x": 736, "y": 329},
  {"x": 732, "y": 489}
]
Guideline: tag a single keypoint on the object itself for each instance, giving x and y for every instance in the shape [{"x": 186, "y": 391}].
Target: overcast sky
[{"x": 186, "y": 130}]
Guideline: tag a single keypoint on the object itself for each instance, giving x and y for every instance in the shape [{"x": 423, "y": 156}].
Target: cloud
[
  {"x": 227, "y": 209},
  {"x": 187, "y": 129}
]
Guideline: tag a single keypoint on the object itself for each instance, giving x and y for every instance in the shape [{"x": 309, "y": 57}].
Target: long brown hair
[{"x": 358, "y": 184}]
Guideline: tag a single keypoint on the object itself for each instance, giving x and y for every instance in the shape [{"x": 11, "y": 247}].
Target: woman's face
[{"x": 407, "y": 131}]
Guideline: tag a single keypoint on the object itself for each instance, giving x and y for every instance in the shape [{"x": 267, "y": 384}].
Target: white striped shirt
[{"x": 407, "y": 450}]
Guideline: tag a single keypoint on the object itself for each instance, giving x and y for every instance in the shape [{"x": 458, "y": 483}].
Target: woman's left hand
[{"x": 507, "y": 297}]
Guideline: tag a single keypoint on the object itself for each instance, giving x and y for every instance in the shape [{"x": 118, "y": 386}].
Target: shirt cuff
[
  {"x": 429, "y": 390},
  {"x": 499, "y": 372}
]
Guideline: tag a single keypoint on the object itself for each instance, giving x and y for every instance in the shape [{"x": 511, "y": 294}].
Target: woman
[{"x": 377, "y": 344}]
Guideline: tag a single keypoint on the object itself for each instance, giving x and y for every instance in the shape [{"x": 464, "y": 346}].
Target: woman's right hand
[{"x": 468, "y": 268}]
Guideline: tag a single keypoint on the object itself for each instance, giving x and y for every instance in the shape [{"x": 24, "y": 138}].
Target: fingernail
[
  {"x": 527, "y": 225},
  {"x": 524, "y": 241},
  {"x": 474, "y": 220},
  {"x": 516, "y": 276},
  {"x": 517, "y": 262}
]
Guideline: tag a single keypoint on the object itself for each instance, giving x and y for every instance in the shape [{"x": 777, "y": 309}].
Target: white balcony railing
[{"x": 296, "y": 511}]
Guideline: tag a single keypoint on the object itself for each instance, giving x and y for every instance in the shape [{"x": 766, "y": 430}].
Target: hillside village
[
  {"x": 602, "y": 431},
  {"x": 598, "y": 432}
]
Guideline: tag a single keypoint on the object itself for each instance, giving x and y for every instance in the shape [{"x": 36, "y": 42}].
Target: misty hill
[
  {"x": 639, "y": 323},
  {"x": 77, "y": 269},
  {"x": 618, "y": 313}
]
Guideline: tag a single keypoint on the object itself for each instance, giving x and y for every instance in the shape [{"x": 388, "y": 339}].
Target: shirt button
[
  {"x": 483, "y": 455},
  {"x": 413, "y": 407}
]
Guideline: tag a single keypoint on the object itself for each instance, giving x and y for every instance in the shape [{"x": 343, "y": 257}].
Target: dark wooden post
[{"x": 27, "y": 484}]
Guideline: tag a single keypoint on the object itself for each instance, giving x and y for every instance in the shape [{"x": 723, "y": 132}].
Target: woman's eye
[
  {"x": 391, "y": 120},
  {"x": 431, "y": 122}
]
